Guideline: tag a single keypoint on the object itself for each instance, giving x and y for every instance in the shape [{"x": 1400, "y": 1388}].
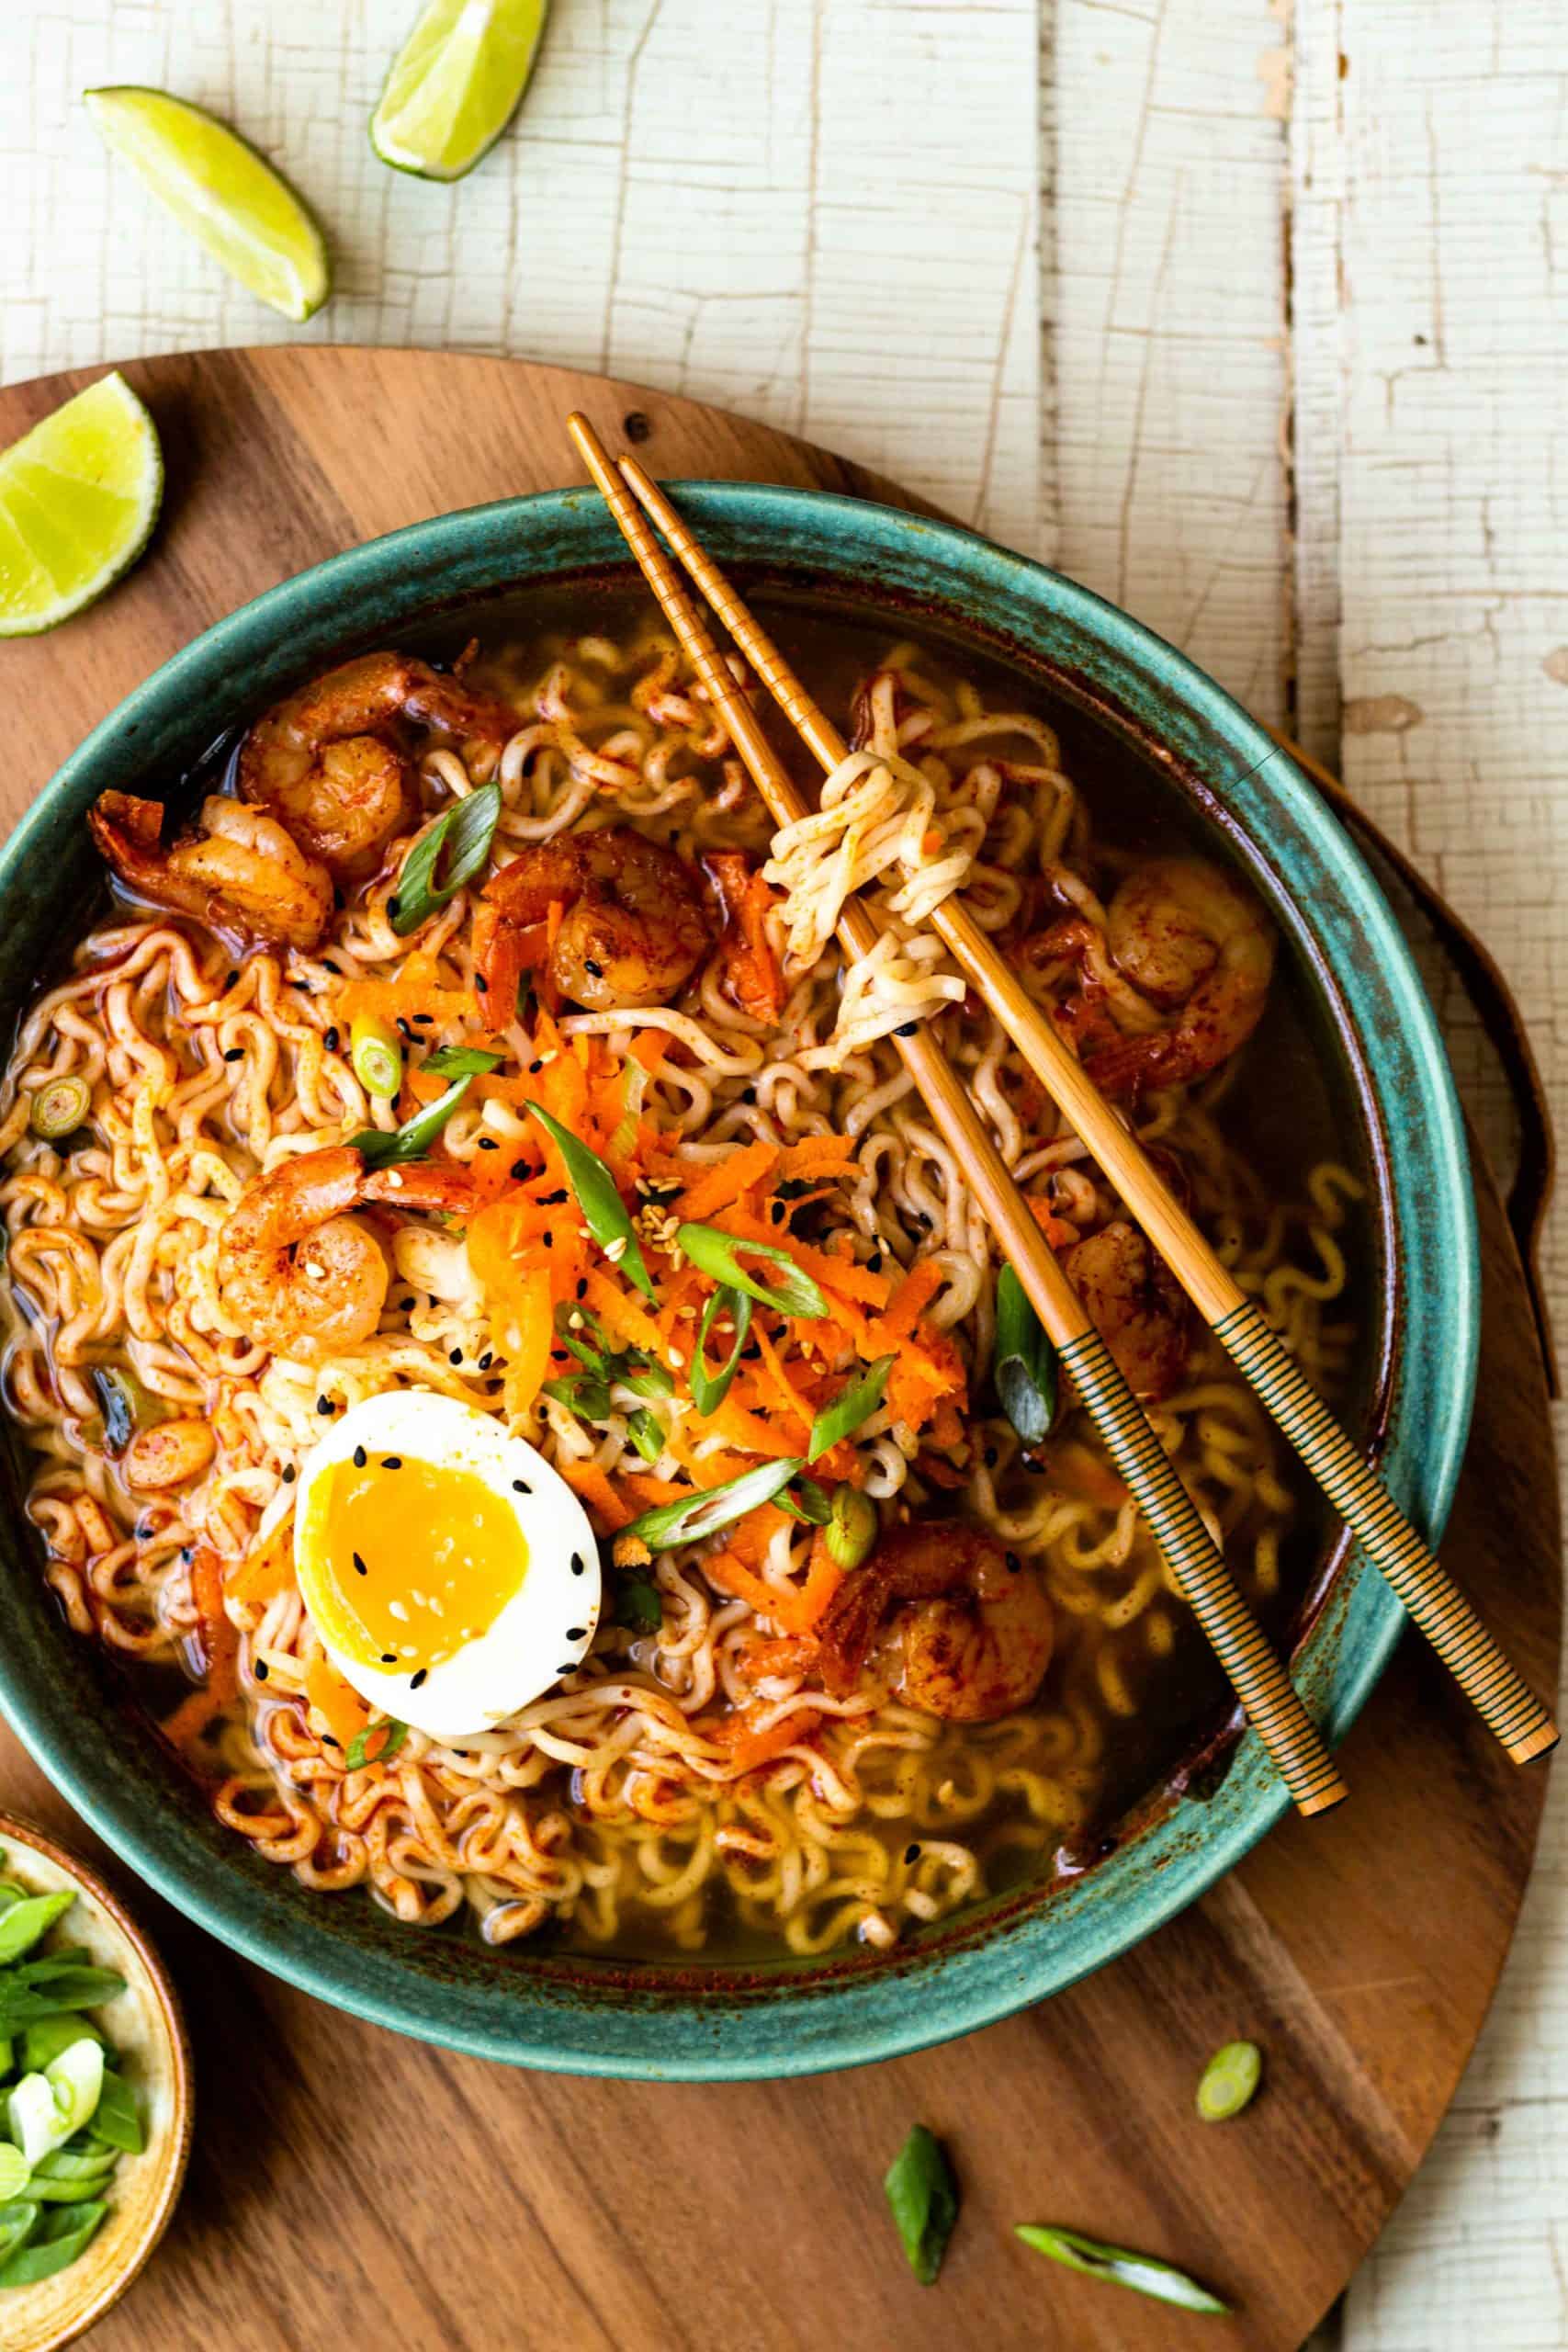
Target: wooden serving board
[{"x": 351, "y": 2187}]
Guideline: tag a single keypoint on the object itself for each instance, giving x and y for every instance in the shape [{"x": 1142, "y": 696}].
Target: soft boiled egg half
[{"x": 451, "y": 1574}]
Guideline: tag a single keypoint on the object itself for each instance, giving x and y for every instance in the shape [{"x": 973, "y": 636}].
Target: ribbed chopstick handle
[
  {"x": 1492, "y": 1684},
  {"x": 1272, "y": 1703}
]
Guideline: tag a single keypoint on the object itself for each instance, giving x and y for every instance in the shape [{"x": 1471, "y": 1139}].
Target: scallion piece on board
[
  {"x": 603, "y": 1211},
  {"x": 854, "y": 1403},
  {"x": 709, "y": 1390},
  {"x": 379, "y": 1148},
  {"x": 1229, "y": 2081},
  {"x": 442, "y": 860},
  {"x": 717, "y": 1253},
  {"x": 923, "y": 2194},
  {"x": 1024, "y": 1363},
  {"x": 704, "y": 1511},
  {"x": 1119, "y": 2267},
  {"x": 376, "y": 1052},
  {"x": 58, "y": 1107},
  {"x": 462, "y": 1061}
]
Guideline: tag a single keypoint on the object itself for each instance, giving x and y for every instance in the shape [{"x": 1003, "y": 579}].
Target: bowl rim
[
  {"x": 16, "y": 1829},
  {"x": 388, "y": 583}
]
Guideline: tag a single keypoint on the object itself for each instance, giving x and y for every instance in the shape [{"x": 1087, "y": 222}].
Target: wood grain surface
[{"x": 348, "y": 2185}]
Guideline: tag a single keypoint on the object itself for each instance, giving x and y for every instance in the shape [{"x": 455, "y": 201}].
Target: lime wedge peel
[
  {"x": 455, "y": 84},
  {"x": 219, "y": 188},
  {"x": 78, "y": 499}
]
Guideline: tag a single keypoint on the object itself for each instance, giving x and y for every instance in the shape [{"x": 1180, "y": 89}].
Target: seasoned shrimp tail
[
  {"x": 334, "y": 762},
  {"x": 235, "y": 871},
  {"x": 1137, "y": 1305},
  {"x": 958, "y": 1627},
  {"x": 632, "y": 928}
]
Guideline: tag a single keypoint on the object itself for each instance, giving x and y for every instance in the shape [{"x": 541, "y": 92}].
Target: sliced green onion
[
  {"x": 1120, "y": 2267},
  {"x": 853, "y": 1404},
  {"x": 1024, "y": 1364},
  {"x": 375, "y": 1052},
  {"x": 716, "y": 1252},
  {"x": 583, "y": 1393},
  {"x": 709, "y": 1391},
  {"x": 808, "y": 1502},
  {"x": 53, "y": 2246},
  {"x": 78, "y": 1989},
  {"x": 603, "y": 1211},
  {"x": 15, "y": 2172},
  {"x": 412, "y": 1140},
  {"x": 58, "y": 1107},
  {"x": 25, "y": 1922},
  {"x": 644, "y": 1377},
  {"x": 128, "y": 1405},
  {"x": 639, "y": 1607},
  {"x": 646, "y": 1434},
  {"x": 18, "y": 2222},
  {"x": 852, "y": 1527},
  {"x": 119, "y": 2119},
  {"x": 46, "y": 2039},
  {"x": 711, "y": 1508},
  {"x": 357, "y": 1755},
  {"x": 464, "y": 835},
  {"x": 461, "y": 1061},
  {"x": 1229, "y": 2081},
  {"x": 923, "y": 2194}
]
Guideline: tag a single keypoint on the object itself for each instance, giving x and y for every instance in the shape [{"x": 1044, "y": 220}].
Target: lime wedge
[
  {"x": 78, "y": 499},
  {"x": 455, "y": 84},
  {"x": 221, "y": 190}
]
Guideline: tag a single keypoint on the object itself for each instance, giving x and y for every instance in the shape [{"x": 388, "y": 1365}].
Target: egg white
[{"x": 525, "y": 1648}]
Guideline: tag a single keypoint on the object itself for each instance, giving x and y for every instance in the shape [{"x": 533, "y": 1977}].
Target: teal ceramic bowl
[{"x": 1130, "y": 697}]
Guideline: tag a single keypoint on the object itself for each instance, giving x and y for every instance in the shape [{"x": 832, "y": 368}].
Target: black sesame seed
[
  {"x": 235, "y": 1054},
  {"x": 481, "y": 984},
  {"x": 548, "y": 1200},
  {"x": 521, "y": 1487},
  {"x": 260, "y": 1669},
  {"x": 751, "y": 1351},
  {"x": 324, "y": 1405},
  {"x": 407, "y": 1305},
  {"x": 990, "y": 1457},
  {"x": 360, "y": 1567},
  {"x": 335, "y": 969},
  {"x": 534, "y": 1068},
  {"x": 230, "y": 980},
  {"x": 328, "y": 1741},
  {"x": 1015, "y": 1566},
  {"x": 911, "y": 1853},
  {"x": 486, "y": 1360},
  {"x": 393, "y": 908},
  {"x": 578, "y": 1565},
  {"x": 423, "y": 1020},
  {"x": 404, "y": 1026},
  {"x": 186, "y": 1555},
  {"x": 569, "y": 1667},
  {"x": 488, "y": 1143},
  {"x": 582, "y": 1287},
  {"x": 549, "y": 1240},
  {"x": 391, "y": 1462},
  {"x": 331, "y": 1041},
  {"x": 874, "y": 1261},
  {"x": 289, "y": 1473},
  {"x": 389, "y": 1657},
  {"x": 595, "y": 971},
  {"x": 577, "y": 1633},
  {"x": 456, "y": 1356},
  {"x": 519, "y": 1170},
  {"x": 748, "y": 1094},
  {"x": 359, "y": 1457},
  {"x": 415, "y": 1680}
]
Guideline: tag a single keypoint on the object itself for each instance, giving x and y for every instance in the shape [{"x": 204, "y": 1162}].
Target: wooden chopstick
[
  {"x": 1487, "y": 1677},
  {"x": 1265, "y": 1689}
]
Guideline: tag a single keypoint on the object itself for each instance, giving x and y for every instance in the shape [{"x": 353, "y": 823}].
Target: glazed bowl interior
[{"x": 1130, "y": 707}]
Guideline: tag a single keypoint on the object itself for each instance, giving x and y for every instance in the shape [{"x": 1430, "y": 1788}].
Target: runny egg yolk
[{"x": 416, "y": 1559}]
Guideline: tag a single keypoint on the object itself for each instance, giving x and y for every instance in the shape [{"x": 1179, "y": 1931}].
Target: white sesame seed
[
  {"x": 395, "y": 1608},
  {"x": 394, "y": 1177}
]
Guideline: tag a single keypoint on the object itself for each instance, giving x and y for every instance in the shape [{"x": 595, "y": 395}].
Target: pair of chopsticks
[{"x": 1271, "y": 1701}]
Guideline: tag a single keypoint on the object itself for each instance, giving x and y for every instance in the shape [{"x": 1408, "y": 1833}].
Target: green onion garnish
[
  {"x": 357, "y": 1755},
  {"x": 603, "y": 1211},
  {"x": 52, "y": 2245},
  {"x": 716, "y": 1252},
  {"x": 808, "y": 1502},
  {"x": 1024, "y": 1363},
  {"x": 711, "y": 1508},
  {"x": 26, "y": 1920},
  {"x": 643, "y": 1429},
  {"x": 461, "y": 1061},
  {"x": 375, "y": 1054},
  {"x": 412, "y": 1140},
  {"x": 58, "y": 1107},
  {"x": 853, "y": 1404},
  {"x": 1229, "y": 2080},
  {"x": 638, "y": 1604},
  {"x": 923, "y": 2194},
  {"x": 1120, "y": 2267},
  {"x": 126, "y": 1405},
  {"x": 709, "y": 1391},
  {"x": 852, "y": 1529},
  {"x": 464, "y": 834},
  {"x": 583, "y": 1393}
]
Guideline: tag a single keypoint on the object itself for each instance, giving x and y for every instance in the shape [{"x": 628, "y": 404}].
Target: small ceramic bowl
[{"x": 144, "y": 2025}]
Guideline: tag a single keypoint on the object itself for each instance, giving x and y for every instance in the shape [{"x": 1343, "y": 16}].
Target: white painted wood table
[{"x": 1255, "y": 319}]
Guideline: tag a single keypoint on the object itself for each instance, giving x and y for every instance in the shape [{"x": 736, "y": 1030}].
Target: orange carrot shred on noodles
[
  {"x": 219, "y": 1639},
  {"x": 749, "y": 1747},
  {"x": 909, "y": 1300},
  {"x": 590, "y": 1483},
  {"x": 268, "y": 1568},
  {"x": 725, "y": 1181},
  {"x": 340, "y": 1707}
]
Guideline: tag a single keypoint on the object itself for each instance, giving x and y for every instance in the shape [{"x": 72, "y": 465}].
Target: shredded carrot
[
  {"x": 266, "y": 1569},
  {"x": 840, "y": 1275},
  {"x": 343, "y": 1711},
  {"x": 750, "y": 967},
  {"x": 749, "y": 1538},
  {"x": 931, "y": 842},
  {"x": 785, "y": 1653},
  {"x": 622, "y": 1315},
  {"x": 648, "y": 1047},
  {"x": 749, "y": 1748},
  {"x": 788, "y": 1394},
  {"x": 817, "y": 1156},
  {"x": 531, "y": 1357},
  {"x": 1056, "y": 1229},
  {"x": 909, "y": 1301},
  {"x": 823, "y": 1578},
  {"x": 586, "y": 1479},
  {"x": 739, "y": 1171},
  {"x": 219, "y": 1639}
]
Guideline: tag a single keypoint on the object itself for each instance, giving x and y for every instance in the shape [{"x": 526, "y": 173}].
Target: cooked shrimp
[
  {"x": 632, "y": 927},
  {"x": 333, "y": 763},
  {"x": 297, "y": 1271},
  {"x": 239, "y": 873},
  {"x": 1137, "y": 1305},
  {"x": 962, "y": 1629},
  {"x": 1196, "y": 947}
]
